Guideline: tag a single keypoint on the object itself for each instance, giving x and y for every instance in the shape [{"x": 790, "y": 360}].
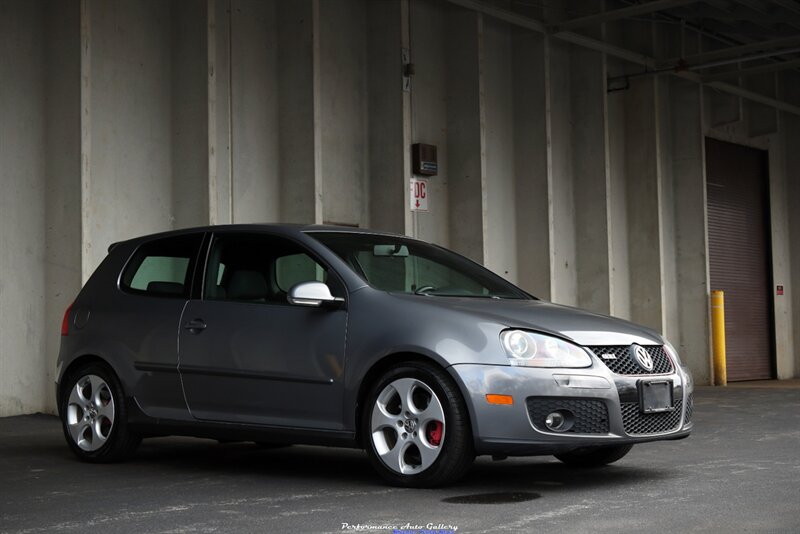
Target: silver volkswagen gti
[{"x": 284, "y": 334}]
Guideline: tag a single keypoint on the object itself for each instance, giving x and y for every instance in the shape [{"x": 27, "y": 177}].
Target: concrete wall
[
  {"x": 24, "y": 362},
  {"x": 791, "y": 126},
  {"x": 531, "y": 163},
  {"x": 254, "y": 101},
  {"x": 343, "y": 120},
  {"x": 62, "y": 177},
  {"x": 189, "y": 107},
  {"x": 125, "y": 117},
  {"x": 429, "y": 107},
  {"x": 129, "y": 191}
]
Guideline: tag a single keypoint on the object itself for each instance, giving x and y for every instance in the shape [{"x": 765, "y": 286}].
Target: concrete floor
[{"x": 739, "y": 472}]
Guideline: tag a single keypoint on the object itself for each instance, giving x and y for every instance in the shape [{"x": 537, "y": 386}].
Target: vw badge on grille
[{"x": 643, "y": 357}]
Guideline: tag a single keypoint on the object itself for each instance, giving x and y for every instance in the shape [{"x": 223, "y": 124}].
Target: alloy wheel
[
  {"x": 90, "y": 412},
  {"x": 407, "y": 426}
]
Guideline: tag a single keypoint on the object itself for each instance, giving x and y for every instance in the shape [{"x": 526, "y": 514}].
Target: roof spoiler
[{"x": 112, "y": 246}]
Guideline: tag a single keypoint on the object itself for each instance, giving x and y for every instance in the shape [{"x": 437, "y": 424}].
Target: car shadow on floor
[{"x": 330, "y": 464}]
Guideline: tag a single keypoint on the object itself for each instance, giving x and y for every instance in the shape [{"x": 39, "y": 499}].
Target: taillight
[{"x": 65, "y": 321}]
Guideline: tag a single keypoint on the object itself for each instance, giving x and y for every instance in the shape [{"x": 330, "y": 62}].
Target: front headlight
[{"x": 529, "y": 349}]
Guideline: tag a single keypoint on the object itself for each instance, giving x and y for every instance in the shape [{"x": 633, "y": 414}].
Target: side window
[
  {"x": 163, "y": 267},
  {"x": 296, "y": 268},
  {"x": 259, "y": 268}
]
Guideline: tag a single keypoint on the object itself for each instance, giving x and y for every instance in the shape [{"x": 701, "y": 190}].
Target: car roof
[{"x": 280, "y": 228}]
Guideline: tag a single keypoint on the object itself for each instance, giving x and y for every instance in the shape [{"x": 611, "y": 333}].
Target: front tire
[
  {"x": 416, "y": 427},
  {"x": 594, "y": 456},
  {"x": 94, "y": 415}
]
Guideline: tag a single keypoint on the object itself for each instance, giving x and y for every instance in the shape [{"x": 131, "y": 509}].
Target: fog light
[{"x": 559, "y": 421}]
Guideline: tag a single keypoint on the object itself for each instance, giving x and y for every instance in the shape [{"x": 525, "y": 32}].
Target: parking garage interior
[{"x": 624, "y": 157}]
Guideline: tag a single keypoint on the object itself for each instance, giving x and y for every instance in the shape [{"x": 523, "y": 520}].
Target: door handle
[{"x": 195, "y": 326}]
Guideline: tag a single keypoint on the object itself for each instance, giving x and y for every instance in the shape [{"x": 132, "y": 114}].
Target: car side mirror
[{"x": 313, "y": 294}]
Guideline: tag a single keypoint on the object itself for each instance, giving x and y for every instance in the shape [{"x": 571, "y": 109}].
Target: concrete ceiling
[{"x": 741, "y": 38}]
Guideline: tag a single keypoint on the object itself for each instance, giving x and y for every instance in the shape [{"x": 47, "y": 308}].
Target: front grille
[
  {"x": 637, "y": 423},
  {"x": 624, "y": 363},
  {"x": 689, "y": 407},
  {"x": 590, "y": 415}
]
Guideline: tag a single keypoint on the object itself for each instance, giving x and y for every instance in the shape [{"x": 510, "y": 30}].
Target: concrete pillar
[
  {"x": 642, "y": 171},
  {"x": 620, "y": 299},
  {"x": 62, "y": 177},
  {"x": 563, "y": 284},
  {"x": 388, "y": 117},
  {"x": 466, "y": 143},
  {"x": 129, "y": 191},
  {"x": 591, "y": 180},
  {"x": 23, "y": 358},
  {"x": 189, "y": 103},
  {"x": 667, "y": 43},
  {"x": 255, "y": 137},
  {"x": 500, "y": 250},
  {"x": 531, "y": 164},
  {"x": 343, "y": 112},
  {"x": 429, "y": 111},
  {"x": 790, "y": 84},
  {"x": 220, "y": 177},
  {"x": 299, "y": 111},
  {"x": 691, "y": 227},
  {"x": 780, "y": 177}
]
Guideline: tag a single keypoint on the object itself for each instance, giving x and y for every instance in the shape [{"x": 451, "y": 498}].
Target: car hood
[{"x": 581, "y": 326}]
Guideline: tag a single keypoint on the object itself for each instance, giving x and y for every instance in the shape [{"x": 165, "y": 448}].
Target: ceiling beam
[
  {"x": 740, "y": 92},
  {"x": 754, "y": 97},
  {"x": 608, "y": 48},
  {"x": 752, "y": 71},
  {"x": 734, "y": 51},
  {"x": 502, "y": 14},
  {"x": 621, "y": 13}
]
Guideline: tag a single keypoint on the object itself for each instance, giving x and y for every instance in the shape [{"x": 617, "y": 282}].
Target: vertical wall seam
[
  {"x": 86, "y": 139},
  {"x": 548, "y": 122},
  {"x": 706, "y": 257},
  {"x": 212, "y": 112},
  {"x": 660, "y": 203},
  {"x": 230, "y": 112},
  {"x": 409, "y": 217},
  {"x": 317, "y": 112},
  {"x": 482, "y": 140},
  {"x": 611, "y": 288}
]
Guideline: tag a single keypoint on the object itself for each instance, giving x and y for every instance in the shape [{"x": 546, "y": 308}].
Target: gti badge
[{"x": 643, "y": 357}]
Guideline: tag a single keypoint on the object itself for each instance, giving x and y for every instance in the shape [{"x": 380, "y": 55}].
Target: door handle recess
[{"x": 195, "y": 325}]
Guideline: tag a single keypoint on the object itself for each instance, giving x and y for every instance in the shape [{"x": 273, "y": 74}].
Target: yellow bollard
[{"x": 718, "y": 337}]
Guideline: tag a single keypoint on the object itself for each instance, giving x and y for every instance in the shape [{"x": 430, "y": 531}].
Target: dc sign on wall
[{"x": 419, "y": 194}]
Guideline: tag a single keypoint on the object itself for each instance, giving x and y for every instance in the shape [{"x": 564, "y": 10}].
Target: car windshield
[{"x": 402, "y": 265}]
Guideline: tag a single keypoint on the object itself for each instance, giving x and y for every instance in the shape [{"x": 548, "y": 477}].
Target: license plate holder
[{"x": 655, "y": 396}]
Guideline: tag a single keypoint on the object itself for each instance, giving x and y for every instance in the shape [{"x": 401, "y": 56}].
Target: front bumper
[{"x": 606, "y": 404}]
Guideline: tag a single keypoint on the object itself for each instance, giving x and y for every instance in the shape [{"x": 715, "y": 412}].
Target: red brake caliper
[{"x": 435, "y": 433}]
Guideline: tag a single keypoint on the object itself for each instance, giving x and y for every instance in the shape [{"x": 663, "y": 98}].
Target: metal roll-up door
[{"x": 740, "y": 255}]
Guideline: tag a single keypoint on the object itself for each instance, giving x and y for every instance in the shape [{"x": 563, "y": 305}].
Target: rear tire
[
  {"x": 416, "y": 427},
  {"x": 94, "y": 415},
  {"x": 594, "y": 456}
]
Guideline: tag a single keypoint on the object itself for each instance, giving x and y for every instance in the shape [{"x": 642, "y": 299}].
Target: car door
[
  {"x": 144, "y": 318},
  {"x": 246, "y": 354}
]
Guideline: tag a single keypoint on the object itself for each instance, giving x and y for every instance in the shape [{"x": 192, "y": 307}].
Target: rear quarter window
[{"x": 163, "y": 267}]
